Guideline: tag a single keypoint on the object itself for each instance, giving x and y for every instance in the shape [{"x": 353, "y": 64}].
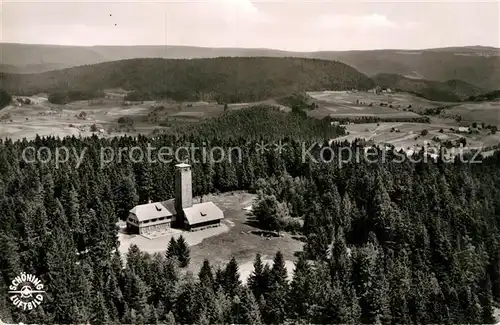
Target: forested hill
[
  {"x": 224, "y": 79},
  {"x": 477, "y": 65},
  {"x": 262, "y": 123},
  {"x": 450, "y": 91}
]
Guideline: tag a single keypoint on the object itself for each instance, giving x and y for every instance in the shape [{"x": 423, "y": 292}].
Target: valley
[{"x": 396, "y": 115}]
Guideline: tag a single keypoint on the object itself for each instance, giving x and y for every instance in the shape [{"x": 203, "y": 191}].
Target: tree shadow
[
  {"x": 265, "y": 233},
  {"x": 252, "y": 221},
  {"x": 298, "y": 254},
  {"x": 300, "y": 238}
]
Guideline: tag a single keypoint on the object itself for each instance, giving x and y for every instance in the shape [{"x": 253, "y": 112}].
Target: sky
[{"x": 288, "y": 25}]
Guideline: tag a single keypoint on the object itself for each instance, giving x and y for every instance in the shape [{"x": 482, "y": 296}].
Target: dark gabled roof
[
  {"x": 150, "y": 211},
  {"x": 202, "y": 212}
]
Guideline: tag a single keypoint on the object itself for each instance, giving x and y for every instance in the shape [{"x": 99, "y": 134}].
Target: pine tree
[
  {"x": 279, "y": 271},
  {"x": 487, "y": 303},
  {"x": 99, "y": 311},
  {"x": 186, "y": 311},
  {"x": 157, "y": 282},
  {"x": 275, "y": 308},
  {"x": 300, "y": 289},
  {"x": 60, "y": 262},
  {"x": 220, "y": 279},
  {"x": 134, "y": 259},
  {"x": 249, "y": 309},
  {"x": 113, "y": 296},
  {"x": 236, "y": 310},
  {"x": 399, "y": 281},
  {"x": 203, "y": 319},
  {"x": 155, "y": 319},
  {"x": 125, "y": 196},
  {"x": 139, "y": 293},
  {"x": 232, "y": 280},
  {"x": 345, "y": 213},
  {"x": 276, "y": 295},
  {"x": 182, "y": 252},
  {"x": 222, "y": 308},
  {"x": 133, "y": 316},
  {"x": 256, "y": 279},
  {"x": 205, "y": 275},
  {"x": 72, "y": 208},
  {"x": 172, "y": 249},
  {"x": 82, "y": 288},
  {"x": 143, "y": 180},
  {"x": 206, "y": 302},
  {"x": 160, "y": 311},
  {"x": 5, "y": 314},
  {"x": 170, "y": 319},
  {"x": 372, "y": 287},
  {"x": 353, "y": 309}
]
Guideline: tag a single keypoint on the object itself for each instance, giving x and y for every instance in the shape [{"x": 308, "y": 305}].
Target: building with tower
[{"x": 179, "y": 212}]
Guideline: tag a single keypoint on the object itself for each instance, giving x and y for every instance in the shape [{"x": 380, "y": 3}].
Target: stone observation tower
[{"x": 183, "y": 187}]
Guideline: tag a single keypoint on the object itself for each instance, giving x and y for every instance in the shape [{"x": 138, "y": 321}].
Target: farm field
[
  {"x": 487, "y": 112},
  {"x": 356, "y": 104},
  {"x": 76, "y": 119},
  {"x": 234, "y": 238},
  {"x": 409, "y": 135},
  {"x": 46, "y": 119},
  {"x": 348, "y": 103}
]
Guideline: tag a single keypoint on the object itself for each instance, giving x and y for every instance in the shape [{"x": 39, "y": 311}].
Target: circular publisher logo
[{"x": 26, "y": 291}]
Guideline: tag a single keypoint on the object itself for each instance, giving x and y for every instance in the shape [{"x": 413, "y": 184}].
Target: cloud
[
  {"x": 214, "y": 23},
  {"x": 412, "y": 25},
  {"x": 354, "y": 21},
  {"x": 222, "y": 11}
]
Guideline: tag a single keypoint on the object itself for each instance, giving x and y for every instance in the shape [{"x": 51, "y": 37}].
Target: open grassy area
[{"x": 234, "y": 238}]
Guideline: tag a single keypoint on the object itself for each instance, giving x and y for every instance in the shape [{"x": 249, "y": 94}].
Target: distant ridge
[
  {"x": 477, "y": 65},
  {"x": 224, "y": 79}
]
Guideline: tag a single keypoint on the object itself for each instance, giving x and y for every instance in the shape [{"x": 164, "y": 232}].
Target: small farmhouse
[{"x": 178, "y": 212}]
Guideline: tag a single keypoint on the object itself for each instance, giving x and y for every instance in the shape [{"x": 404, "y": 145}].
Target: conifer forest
[{"x": 386, "y": 242}]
